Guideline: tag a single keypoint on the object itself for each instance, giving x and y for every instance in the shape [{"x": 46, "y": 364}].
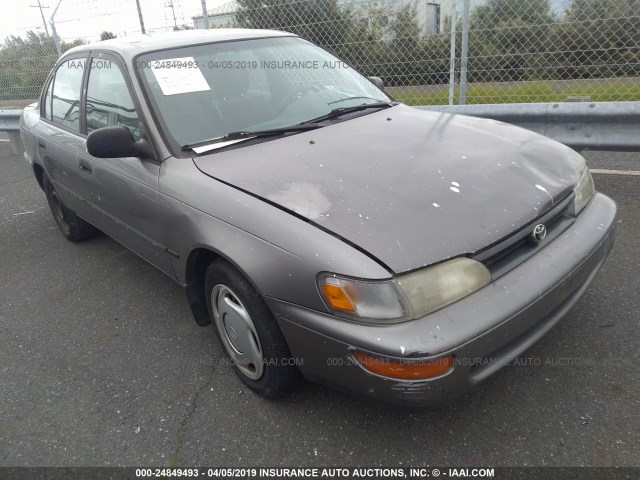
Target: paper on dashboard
[{"x": 179, "y": 75}]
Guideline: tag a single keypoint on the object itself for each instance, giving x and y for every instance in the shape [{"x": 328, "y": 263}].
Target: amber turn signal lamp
[
  {"x": 337, "y": 297},
  {"x": 405, "y": 370}
]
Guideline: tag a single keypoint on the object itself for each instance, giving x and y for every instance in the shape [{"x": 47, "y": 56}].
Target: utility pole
[
  {"x": 170, "y": 5},
  {"x": 140, "y": 17},
  {"x": 44, "y": 22},
  {"x": 56, "y": 38},
  {"x": 205, "y": 15}
]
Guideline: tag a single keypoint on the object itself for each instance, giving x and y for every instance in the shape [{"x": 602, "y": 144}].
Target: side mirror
[
  {"x": 112, "y": 142},
  {"x": 377, "y": 81}
]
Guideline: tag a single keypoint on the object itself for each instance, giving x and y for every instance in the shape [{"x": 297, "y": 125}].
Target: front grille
[{"x": 511, "y": 251}]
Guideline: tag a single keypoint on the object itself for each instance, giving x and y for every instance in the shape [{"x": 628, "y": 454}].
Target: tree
[
  {"x": 508, "y": 40},
  {"x": 590, "y": 10},
  {"x": 402, "y": 51},
  {"x": 107, "y": 35},
  {"x": 319, "y": 21},
  {"x": 26, "y": 62},
  {"x": 600, "y": 39},
  {"x": 404, "y": 28},
  {"x": 494, "y": 12},
  {"x": 75, "y": 43}
]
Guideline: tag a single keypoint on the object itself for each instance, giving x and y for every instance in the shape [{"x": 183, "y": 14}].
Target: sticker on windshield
[{"x": 179, "y": 75}]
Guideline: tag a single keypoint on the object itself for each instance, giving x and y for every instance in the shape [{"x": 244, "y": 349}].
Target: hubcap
[{"x": 237, "y": 332}]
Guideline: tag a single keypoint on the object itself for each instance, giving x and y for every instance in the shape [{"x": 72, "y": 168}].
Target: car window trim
[
  {"x": 101, "y": 55},
  {"x": 42, "y": 105},
  {"x": 122, "y": 65},
  {"x": 53, "y": 74}
]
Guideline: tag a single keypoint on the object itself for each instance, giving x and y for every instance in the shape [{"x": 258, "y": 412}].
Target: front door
[{"x": 123, "y": 191}]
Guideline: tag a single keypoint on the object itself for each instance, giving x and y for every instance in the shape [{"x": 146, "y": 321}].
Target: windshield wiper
[
  {"x": 337, "y": 112},
  {"x": 247, "y": 135}
]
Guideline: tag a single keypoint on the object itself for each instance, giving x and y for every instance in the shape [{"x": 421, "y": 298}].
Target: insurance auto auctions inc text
[{"x": 374, "y": 472}]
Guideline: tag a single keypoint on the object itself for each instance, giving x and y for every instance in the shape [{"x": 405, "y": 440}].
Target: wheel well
[
  {"x": 39, "y": 173},
  {"x": 197, "y": 264}
]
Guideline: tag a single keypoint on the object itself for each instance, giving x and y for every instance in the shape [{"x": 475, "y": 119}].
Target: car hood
[{"x": 410, "y": 187}]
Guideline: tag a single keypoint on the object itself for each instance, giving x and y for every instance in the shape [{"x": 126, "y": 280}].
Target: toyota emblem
[{"x": 539, "y": 233}]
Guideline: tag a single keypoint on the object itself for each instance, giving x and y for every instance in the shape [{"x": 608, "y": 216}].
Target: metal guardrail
[
  {"x": 604, "y": 126},
  {"x": 10, "y": 123}
]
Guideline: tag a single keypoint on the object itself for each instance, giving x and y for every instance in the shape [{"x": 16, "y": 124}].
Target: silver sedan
[{"x": 326, "y": 230}]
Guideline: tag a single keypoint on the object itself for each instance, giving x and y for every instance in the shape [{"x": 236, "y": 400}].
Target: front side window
[
  {"x": 108, "y": 99},
  {"x": 65, "y": 103},
  {"x": 208, "y": 91}
]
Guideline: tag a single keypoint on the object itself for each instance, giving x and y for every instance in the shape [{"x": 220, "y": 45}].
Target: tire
[
  {"x": 248, "y": 333},
  {"x": 74, "y": 228}
]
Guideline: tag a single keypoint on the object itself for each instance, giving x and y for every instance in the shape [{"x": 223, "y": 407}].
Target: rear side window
[
  {"x": 65, "y": 104},
  {"x": 108, "y": 99}
]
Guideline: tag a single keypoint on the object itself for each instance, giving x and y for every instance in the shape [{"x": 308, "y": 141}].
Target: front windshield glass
[{"x": 208, "y": 91}]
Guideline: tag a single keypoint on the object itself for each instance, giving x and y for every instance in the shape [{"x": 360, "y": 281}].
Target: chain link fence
[
  {"x": 428, "y": 52},
  {"x": 29, "y": 50}
]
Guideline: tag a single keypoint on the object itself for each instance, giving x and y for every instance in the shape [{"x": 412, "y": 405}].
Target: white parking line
[
  {"x": 604, "y": 171},
  {"x": 5, "y": 140}
]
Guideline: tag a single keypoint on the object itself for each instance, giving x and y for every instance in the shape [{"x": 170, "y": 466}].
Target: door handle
[
  {"x": 41, "y": 145},
  {"x": 85, "y": 167}
]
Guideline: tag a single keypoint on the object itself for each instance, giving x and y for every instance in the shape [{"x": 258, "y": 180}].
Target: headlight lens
[
  {"x": 435, "y": 287},
  {"x": 584, "y": 191},
  {"x": 406, "y": 297}
]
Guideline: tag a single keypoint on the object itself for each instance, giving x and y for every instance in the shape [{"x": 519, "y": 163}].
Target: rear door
[{"x": 59, "y": 135}]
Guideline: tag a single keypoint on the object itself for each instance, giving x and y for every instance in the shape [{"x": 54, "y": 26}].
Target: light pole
[
  {"x": 173, "y": 10},
  {"x": 140, "y": 17},
  {"x": 56, "y": 39},
  {"x": 464, "y": 61},
  {"x": 452, "y": 61},
  {"x": 205, "y": 15}
]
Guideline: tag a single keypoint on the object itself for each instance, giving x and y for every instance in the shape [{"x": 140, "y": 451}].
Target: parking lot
[{"x": 102, "y": 364}]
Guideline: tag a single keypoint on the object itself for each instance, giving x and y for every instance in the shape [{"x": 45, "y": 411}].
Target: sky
[{"x": 86, "y": 19}]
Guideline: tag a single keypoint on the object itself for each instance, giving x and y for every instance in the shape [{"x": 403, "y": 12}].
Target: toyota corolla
[{"x": 327, "y": 231}]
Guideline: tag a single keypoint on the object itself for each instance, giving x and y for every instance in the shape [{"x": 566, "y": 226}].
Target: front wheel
[{"x": 248, "y": 332}]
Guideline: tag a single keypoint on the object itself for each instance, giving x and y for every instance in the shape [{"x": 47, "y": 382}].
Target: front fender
[{"x": 279, "y": 253}]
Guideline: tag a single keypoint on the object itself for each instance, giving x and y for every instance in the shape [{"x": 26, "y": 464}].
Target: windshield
[{"x": 208, "y": 91}]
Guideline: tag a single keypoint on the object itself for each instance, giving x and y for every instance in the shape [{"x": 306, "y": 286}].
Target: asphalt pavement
[{"x": 102, "y": 364}]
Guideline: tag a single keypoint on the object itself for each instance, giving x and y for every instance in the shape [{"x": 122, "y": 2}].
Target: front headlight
[
  {"x": 405, "y": 297},
  {"x": 435, "y": 287},
  {"x": 584, "y": 191}
]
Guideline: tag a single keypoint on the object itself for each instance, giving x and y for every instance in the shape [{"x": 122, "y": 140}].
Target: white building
[{"x": 431, "y": 15}]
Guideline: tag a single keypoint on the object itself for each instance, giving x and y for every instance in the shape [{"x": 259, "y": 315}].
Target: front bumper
[{"x": 483, "y": 331}]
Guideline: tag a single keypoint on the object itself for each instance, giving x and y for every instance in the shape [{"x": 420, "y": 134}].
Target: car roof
[{"x": 133, "y": 45}]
